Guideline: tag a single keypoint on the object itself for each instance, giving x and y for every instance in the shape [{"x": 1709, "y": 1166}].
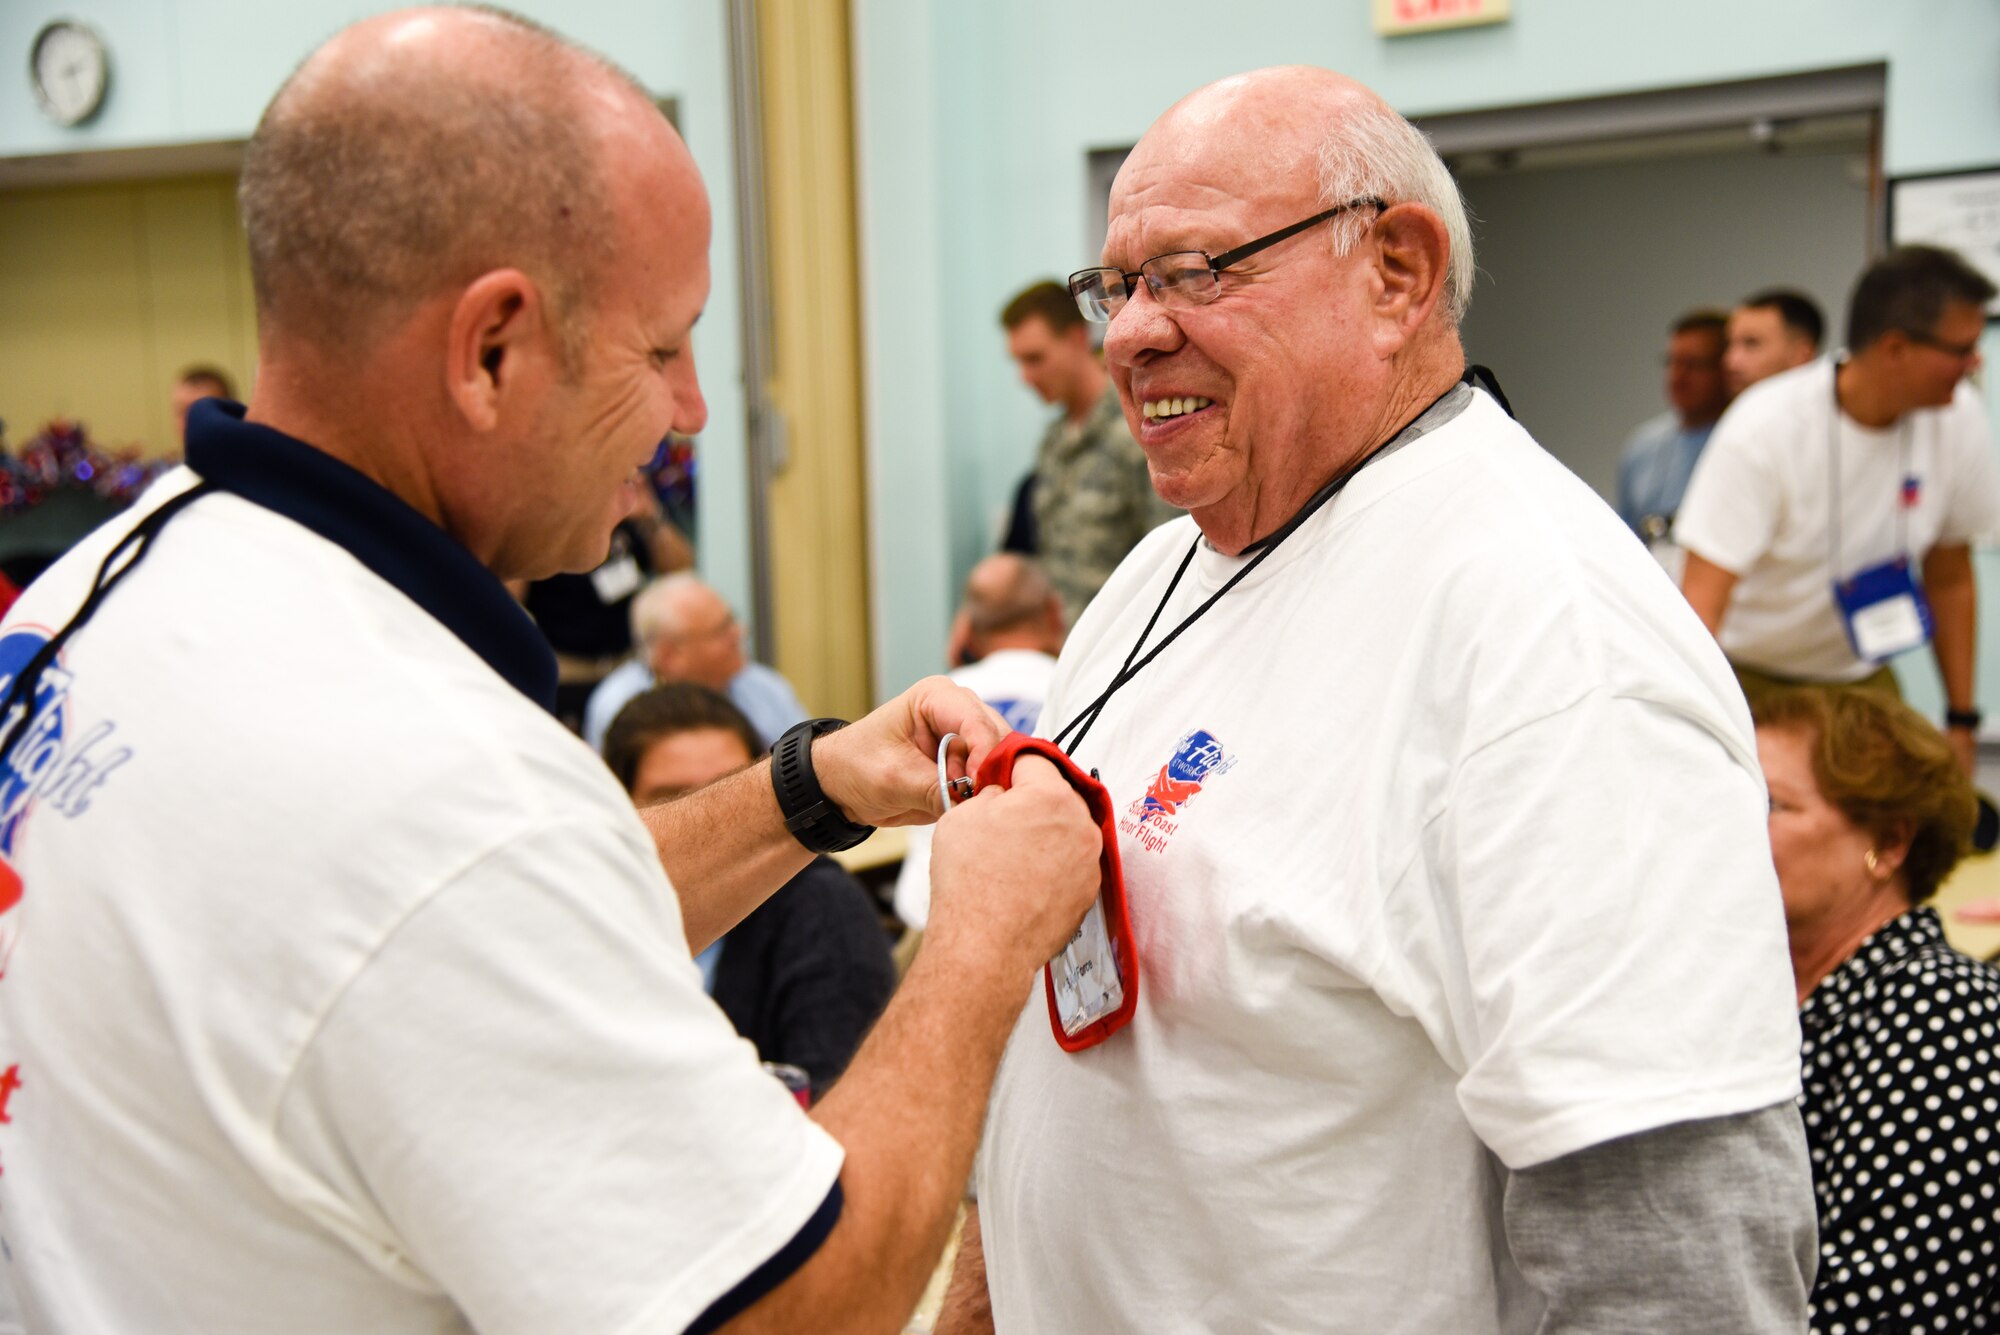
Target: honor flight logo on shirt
[
  {"x": 49, "y": 764},
  {"x": 1152, "y": 819}
]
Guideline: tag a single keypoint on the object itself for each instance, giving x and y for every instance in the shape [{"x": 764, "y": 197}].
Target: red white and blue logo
[
  {"x": 1153, "y": 817},
  {"x": 50, "y": 764},
  {"x": 1021, "y": 715}
]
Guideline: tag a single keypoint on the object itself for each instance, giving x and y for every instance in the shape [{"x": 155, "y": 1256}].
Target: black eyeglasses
[
  {"x": 1962, "y": 351},
  {"x": 1182, "y": 277}
]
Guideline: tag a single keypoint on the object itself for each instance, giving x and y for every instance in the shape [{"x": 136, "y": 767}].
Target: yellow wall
[
  {"x": 819, "y": 521},
  {"x": 107, "y": 292}
]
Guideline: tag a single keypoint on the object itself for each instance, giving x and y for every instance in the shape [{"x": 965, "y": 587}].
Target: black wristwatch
[
  {"x": 809, "y": 814},
  {"x": 1963, "y": 718}
]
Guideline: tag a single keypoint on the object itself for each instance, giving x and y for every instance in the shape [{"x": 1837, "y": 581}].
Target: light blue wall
[
  {"x": 192, "y": 71},
  {"x": 975, "y": 119}
]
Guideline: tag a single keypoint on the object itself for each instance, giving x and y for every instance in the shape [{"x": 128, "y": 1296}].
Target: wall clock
[{"x": 71, "y": 71}]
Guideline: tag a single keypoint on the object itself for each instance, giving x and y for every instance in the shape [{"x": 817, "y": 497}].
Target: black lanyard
[
  {"x": 18, "y": 710},
  {"x": 1080, "y": 725},
  {"x": 1833, "y": 559}
]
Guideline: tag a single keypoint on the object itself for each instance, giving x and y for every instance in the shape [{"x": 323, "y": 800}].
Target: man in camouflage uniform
[{"x": 1093, "y": 500}]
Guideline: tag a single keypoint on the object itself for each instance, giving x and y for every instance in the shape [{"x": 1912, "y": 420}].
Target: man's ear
[
  {"x": 1412, "y": 256},
  {"x": 497, "y": 333}
]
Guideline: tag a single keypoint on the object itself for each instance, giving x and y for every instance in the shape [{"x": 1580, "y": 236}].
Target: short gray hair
[
  {"x": 652, "y": 609},
  {"x": 1374, "y": 153}
]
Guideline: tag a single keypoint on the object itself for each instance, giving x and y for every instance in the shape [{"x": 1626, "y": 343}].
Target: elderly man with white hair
[
  {"x": 1463, "y": 997},
  {"x": 682, "y": 630}
]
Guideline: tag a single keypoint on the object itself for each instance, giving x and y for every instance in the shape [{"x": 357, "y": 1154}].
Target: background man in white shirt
[
  {"x": 1841, "y": 467},
  {"x": 1770, "y": 331}
]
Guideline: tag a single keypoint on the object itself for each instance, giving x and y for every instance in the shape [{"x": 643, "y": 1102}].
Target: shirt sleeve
[
  {"x": 1707, "y": 1226},
  {"x": 1906, "y": 1162},
  {"x": 1729, "y": 515},
  {"x": 524, "y": 1102},
  {"x": 1598, "y": 865},
  {"x": 1973, "y": 510}
]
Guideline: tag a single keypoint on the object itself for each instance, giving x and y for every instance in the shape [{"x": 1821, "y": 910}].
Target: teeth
[{"x": 1158, "y": 408}]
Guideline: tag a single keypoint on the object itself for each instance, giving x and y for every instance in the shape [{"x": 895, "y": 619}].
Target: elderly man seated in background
[
  {"x": 808, "y": 971},
  {"x": 1869, "y": 812},
  {"x": 683, "y": 631}
]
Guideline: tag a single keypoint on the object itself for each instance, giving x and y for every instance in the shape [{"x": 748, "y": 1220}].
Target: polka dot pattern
[{"x": 1902, "y": 1113}]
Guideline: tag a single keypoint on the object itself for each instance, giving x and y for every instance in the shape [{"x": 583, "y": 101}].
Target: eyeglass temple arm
[{"x": 1244, "y": 252}]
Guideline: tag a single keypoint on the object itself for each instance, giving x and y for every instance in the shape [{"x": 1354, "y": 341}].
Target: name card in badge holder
[
  {"x": 617, "y": 578},
  {"x": 1085, "y": 980},
  {"x": 1092, "y": 984},
  {"x": 1884, "y": 610}
]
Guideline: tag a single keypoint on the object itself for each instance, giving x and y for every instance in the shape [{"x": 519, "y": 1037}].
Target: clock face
[{"x": 71, "y": 72}]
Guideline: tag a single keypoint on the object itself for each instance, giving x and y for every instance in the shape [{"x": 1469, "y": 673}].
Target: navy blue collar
[{"x": 317, "y": 491}]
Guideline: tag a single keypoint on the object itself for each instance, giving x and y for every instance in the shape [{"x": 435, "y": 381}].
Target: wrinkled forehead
[{"x": 1198, "y": 186}]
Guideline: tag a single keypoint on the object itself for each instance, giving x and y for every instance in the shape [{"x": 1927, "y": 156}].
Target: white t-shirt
[
  {"x": 1445, "y": 840},
  {"x": 1014, "y": 682},
  {"x": 1761, "y": 500},
  {"x": 346, "y": 991}
]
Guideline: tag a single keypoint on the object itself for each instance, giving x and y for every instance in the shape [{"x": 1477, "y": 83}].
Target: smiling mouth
[{"x": 1161, "y": 410}]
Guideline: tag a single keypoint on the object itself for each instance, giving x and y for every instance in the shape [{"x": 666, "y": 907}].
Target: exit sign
[{"x": 1398, "y": 18}]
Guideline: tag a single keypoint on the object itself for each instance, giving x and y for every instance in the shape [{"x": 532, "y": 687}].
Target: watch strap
[
  {"x": 810, "y": 815},
  {"x": 1963, "y": 718}
]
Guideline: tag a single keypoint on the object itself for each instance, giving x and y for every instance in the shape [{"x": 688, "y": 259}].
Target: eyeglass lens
[{"x": 1183, "y": 278}]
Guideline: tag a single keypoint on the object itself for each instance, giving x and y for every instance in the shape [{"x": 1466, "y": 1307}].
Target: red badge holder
[{"x": 1115, "y": 998}]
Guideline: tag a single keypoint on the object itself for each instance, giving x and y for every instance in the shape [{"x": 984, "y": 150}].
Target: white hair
[
  {"x": 654, "y": 610},
  {"x": 1374, "y": 153}
]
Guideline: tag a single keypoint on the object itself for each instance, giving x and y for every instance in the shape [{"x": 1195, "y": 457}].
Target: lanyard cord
[
  {"x": 1080, "y": 725},
  {"x": 1833, "y": 484},
  {"x": 19, "y": 704}
]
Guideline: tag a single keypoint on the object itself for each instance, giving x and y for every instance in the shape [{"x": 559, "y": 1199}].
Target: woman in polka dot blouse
[{"x": 1869, "y": 811}]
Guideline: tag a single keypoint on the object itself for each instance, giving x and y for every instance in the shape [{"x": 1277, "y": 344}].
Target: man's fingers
[{"x": 1030, "y": 771}]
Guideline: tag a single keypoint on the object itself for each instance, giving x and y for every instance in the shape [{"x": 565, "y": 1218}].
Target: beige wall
[
  {"x": 108, "y": 291},
  {"x": 819, "y": 569}
]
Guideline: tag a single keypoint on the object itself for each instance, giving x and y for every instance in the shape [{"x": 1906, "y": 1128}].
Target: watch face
[{"x": 70, "y": 72}]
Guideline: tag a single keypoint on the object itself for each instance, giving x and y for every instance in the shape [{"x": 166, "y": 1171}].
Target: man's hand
[
  {"x": 1013, "y": 871},
  {"x": 882, "y": 769}
]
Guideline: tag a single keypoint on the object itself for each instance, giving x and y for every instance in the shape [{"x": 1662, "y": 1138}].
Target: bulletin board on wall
[{"x": 1959, "y": 210}]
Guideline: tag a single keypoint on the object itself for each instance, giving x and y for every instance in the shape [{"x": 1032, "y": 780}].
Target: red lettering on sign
[{"x": 1421, "y": 11}]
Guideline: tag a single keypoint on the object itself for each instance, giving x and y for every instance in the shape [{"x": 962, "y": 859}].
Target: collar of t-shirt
[
  {"x": 1212, "y": 569},
  {"x": 313, "y": 489}
]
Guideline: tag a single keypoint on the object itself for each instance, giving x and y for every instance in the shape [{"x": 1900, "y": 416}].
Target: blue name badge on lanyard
[{"x": 1884, "y": 610}]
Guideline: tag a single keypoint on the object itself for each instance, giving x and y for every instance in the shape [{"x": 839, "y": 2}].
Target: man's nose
[
  {"x": 1141, "y": 326},
  {"x": 690, "y": 408}
]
